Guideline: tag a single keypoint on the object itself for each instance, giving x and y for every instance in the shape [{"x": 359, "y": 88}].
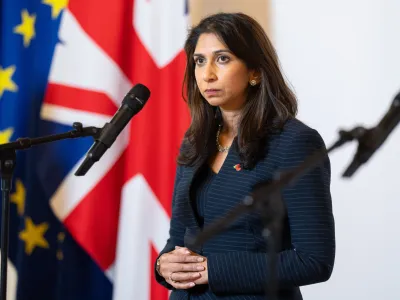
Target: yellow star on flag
[
  {"x": 19, "y": 197},
  {"x": 5, "y": 135},
  {"x": 27, "y": 27},
  {"x": 33, "y": 235},
  {"x": 56, "y": 6},
  {"x": 6, "y": 83}
]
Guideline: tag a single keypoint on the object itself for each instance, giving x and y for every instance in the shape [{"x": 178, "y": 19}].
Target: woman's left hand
[{"x": 204, "y": 274}]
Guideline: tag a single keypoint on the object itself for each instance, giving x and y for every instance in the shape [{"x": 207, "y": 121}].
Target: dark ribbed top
[
  {"x": 238, "y": 258},
  {"x": 199, "y": 192}
]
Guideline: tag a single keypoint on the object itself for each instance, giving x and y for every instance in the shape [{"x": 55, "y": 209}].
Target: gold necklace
[{"x": 221, "y": 148}]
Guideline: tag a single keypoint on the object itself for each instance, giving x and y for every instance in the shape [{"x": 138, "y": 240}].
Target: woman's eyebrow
[{"x": 214, "y": 52}]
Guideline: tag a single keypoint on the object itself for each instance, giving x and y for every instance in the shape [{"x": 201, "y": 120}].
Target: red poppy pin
[{"x": 237, "y": 167}]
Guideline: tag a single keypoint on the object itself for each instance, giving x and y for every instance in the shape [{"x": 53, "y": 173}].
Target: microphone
[
  {"x": 133, "y": 102},
  {"x": 370, "y": 140}
]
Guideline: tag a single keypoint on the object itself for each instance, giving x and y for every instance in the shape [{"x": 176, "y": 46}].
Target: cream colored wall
[{"x": 258, "y": 9}]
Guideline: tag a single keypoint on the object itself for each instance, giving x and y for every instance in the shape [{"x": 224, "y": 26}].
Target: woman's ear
[{"x": 255, "y": 75}]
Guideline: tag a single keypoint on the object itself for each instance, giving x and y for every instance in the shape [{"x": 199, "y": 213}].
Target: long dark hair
[{"x": 268, "y": 106}]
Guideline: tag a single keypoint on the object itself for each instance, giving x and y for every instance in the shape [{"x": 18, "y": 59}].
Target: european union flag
[{"x": 49, "y": 263}]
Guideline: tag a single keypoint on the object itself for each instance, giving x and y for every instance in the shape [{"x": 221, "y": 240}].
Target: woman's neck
[{"x": 230, "y": 120}]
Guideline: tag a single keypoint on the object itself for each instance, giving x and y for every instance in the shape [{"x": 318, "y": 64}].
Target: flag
[
  {"x": 96, "y": 236},
  {"x": 27, "y": 39}
]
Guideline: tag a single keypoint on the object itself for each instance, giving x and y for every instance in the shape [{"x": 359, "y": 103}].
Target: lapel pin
[{"x": 237, "y": 167}]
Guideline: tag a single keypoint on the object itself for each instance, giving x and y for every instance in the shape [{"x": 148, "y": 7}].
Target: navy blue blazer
[{"x": 237, "y": 258}]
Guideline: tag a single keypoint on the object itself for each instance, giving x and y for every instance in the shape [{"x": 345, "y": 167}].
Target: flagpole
[{"x": 8, "y": 161}]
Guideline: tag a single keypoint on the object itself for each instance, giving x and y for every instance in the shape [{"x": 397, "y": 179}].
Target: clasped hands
[{"x": 183, "y": 269}]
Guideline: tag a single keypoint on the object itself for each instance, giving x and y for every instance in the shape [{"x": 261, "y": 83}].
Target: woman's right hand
[{"x": 180, "y": 268}]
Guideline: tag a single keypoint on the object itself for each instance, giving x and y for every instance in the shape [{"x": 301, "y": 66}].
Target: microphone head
[{"x": 137, "y": 97}]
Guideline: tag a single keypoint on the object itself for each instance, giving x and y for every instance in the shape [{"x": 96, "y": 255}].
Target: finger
[
  {"x": 175, "y": 258},
  {"x": 180, "y": 247},
  {"x": 168, "y": 257},
  {"x": 183, "y": 277},
  {"x": 185, "y": 267},
  {"x": 182, "y": 250},
  {"x": 181, "y": 286},
  {"x": 169, "y": 268}
]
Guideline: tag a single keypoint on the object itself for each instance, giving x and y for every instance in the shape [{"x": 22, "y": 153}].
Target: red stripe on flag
[
  {"x": 94, "y": 222},
  {"x": 158, "y": 129},
  {"x": 79, "y": 99}
]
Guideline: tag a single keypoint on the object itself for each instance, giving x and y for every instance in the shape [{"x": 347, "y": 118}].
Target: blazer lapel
[{"x": 191, "y": 221}]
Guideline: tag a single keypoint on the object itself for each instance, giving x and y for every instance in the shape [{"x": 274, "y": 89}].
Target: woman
[{"x": 243, "y": 131}]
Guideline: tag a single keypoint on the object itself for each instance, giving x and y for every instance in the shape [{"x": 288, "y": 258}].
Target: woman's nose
[{"x": 209, "y": 73}]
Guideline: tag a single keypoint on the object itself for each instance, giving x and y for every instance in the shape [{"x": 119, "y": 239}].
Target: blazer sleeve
[
  {"x": 309, "y": 208},
  {"x": 176, "y": 232}
]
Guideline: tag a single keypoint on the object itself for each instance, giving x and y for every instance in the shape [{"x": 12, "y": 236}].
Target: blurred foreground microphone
[
  {"x": 133, "y": 102},
  {"x": 370, "y": 140}
]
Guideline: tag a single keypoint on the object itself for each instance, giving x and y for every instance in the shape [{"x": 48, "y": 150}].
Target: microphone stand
[
  {"x": 266, "y": 199},
  {"x": 8, "y": 160}
]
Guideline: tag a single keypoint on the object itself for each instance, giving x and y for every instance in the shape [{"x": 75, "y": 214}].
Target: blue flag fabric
[{"x": 49, "y": 263}]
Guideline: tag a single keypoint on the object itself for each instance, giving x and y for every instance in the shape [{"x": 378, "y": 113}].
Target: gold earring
[{"x": 253, "y": 82}]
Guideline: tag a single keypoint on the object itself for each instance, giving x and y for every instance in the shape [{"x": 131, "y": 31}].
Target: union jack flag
[{"x": 106, "y": 228}]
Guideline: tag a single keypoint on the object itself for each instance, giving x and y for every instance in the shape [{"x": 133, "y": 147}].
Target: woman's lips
[{"x": 211, "y": 92}]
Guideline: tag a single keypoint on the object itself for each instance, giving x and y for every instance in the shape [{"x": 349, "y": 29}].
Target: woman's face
[{"x": 221, "y": 77}]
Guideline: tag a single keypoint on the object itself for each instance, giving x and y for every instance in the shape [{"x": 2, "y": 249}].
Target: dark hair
[{"x": 268, "y": 106}]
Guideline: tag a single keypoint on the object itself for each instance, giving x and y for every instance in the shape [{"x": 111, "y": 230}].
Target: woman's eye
[
  {"x": 223, "y": 59},
  {"x": 199, "y": 61}
]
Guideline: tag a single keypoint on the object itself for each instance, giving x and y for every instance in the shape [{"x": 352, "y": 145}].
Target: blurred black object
[{"x": 369, "y": 140}]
